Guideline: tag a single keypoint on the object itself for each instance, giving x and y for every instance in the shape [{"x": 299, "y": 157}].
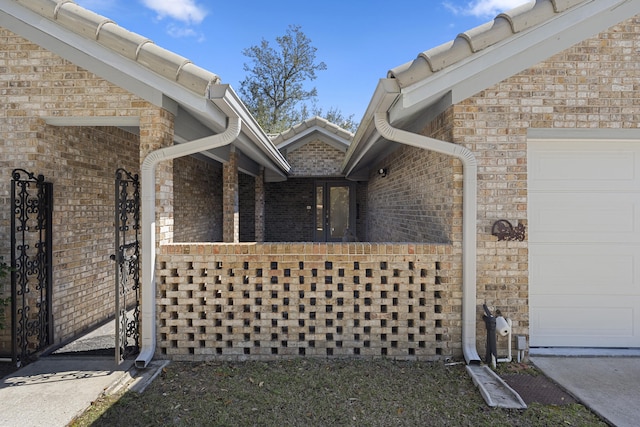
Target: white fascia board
[
  {"x": 384, "y": 97},
  {"x": 253, "y": 137},
  {"x": 521, "y": 51}
]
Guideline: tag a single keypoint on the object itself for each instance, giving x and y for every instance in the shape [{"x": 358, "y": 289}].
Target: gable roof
[
  {"x": 194, "y": 95},
  {"x": 416, "y": 92},
  {"x": 309, "y": 130}
]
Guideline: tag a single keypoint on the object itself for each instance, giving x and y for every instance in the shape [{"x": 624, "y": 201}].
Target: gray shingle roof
[
  {"x": 107, "y": 33},
  {"x": 466, "y": 44}
]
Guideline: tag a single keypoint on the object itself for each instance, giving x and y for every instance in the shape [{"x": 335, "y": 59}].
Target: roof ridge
[
  {"x": 315, "y": 121},
  {"x": 123, "y": 42},
  {"x": 502, "y": 27}
]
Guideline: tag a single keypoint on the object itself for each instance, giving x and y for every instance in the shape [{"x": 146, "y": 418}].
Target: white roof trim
[{"x": 309, "y": 136}]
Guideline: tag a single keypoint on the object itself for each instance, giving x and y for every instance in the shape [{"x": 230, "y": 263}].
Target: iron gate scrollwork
[
  {"x": 127, "y": 257},
  {"x": 31, "y": 264}
]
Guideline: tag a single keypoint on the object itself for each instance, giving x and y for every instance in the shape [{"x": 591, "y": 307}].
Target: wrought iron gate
[
  {"x": 127, "y": 257},
  {"x": 31, "y": 263}
]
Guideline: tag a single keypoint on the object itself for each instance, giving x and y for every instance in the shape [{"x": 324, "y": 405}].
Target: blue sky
[{"x": 359, "y": 41}]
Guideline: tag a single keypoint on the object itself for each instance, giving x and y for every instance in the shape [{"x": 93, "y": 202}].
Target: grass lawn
[{"x": 312, "y": 392}]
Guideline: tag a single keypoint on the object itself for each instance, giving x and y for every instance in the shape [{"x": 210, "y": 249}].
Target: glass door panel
[
  {"x": 335, "y": 207},
  {"x": 320, "y": 212},
  {"x": 338, "y": 211}
]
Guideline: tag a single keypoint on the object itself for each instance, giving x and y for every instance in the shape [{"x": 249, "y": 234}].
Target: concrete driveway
[{"x": 609, "y": 386}]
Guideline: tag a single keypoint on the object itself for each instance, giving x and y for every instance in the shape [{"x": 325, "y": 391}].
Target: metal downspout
[
  {"x": 469, "y": 215},
  {"x": 148, "y": 172}
]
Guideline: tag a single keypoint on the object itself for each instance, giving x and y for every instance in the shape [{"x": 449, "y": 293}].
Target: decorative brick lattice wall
[{"x": 262, "y": 301}]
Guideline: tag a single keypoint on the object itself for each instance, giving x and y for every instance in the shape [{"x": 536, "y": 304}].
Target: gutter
[
  {"x": 387, "y": 94},
  {"x": 148, "y": 168}
]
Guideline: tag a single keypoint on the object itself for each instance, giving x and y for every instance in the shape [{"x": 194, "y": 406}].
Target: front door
[{"x": 335, "y": 211}]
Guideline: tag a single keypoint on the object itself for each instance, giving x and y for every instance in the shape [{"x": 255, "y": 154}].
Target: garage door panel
[
  {"x": 575, "y": 321},
  {"x": 578, "y": 269},
  {"x": 584, "y": 243},
  {"x": 593, "y": 166},
  {"x": 585, "y": 217}
]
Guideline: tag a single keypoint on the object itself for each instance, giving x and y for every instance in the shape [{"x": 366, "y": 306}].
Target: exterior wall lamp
[{"x": 383, "y": 172}]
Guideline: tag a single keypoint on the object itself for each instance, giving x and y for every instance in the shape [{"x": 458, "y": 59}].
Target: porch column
[
  {"x": 230, "y": 200},
  {"x": 156, "y": 132},
  {"x": 259, "y": 210}
]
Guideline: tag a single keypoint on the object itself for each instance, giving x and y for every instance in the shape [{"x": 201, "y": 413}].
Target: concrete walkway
[
  {"x": 609, "y": 386},
  {"x": 55, "y": 389}
]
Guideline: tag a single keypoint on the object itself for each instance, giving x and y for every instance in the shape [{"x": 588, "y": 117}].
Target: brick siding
[
  {"x": 287, "y": 218},
  {"x": 315, "y": 159},
  {"x": 198, "y": 200},
  {"x": 591, "y": 85},
  {"x": 247, "y": 198},
  {"x": 81, "y": 163}
]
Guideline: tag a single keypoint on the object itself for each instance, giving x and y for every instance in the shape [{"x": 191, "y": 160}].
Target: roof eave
[
  {"x": 145, "y": 83},
  {"x": 414, "y": 105}
]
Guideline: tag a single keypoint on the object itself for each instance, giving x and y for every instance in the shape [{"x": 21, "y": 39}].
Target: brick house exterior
[
  {"x": 587, "y": 91},
  {"x": 246, "y": 266}
]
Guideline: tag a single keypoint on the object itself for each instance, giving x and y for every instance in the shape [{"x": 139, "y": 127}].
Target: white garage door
[{"x": 584, "y": 243}]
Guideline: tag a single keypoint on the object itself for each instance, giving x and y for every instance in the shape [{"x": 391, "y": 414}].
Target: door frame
[{"x": 324, "y": 235}]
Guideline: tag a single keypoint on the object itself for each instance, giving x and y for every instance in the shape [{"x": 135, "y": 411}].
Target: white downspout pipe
[
  {"x": 148, "y": 172},
  {"x": 469, "y": 216}
]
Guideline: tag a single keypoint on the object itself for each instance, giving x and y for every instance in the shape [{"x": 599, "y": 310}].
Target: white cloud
[
  {"x": 178, "y": 32},
  {"x": 484, "y": 8},
  {"x": 187, "y": 11}
]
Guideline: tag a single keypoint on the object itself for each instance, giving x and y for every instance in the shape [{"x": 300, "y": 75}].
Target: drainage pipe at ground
[{"x": 148, "y": 172}]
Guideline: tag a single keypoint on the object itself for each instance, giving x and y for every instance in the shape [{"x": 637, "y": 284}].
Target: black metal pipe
[{"x": 492, "y": 346}]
